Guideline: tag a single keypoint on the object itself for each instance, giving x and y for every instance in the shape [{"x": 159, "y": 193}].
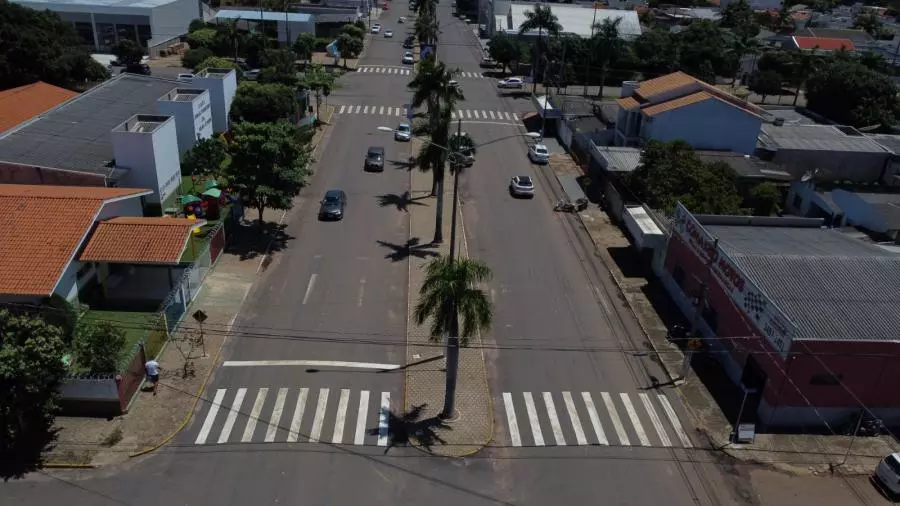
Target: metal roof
[
  {"x": 577, "y": 19},
  {"x": 293, "y": 17},
  {"x": 747, "y": 166},
  {"x": 817, "y": 138},
  {"x": 76, "y": 135},
  {"x": 830, "y": 285},
  {"x": 620, "y": 159}
]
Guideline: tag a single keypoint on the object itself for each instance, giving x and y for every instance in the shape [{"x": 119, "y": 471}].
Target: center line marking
[
  {"x": 362, "y": 291},
  {"x": 309, "y": 287},
  {"x": 310, "y": 363}
]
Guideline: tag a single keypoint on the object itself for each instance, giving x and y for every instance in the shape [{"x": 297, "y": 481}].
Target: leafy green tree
[
  {"x": 849, "y": 93},
  {"x": 39, "y": 46},
  {"x": 193, "y": 57},
  {"x": 505, "y": 49},
  {"x": 204, "y": 37},
  {"x": 278, "y": 67},
  {"x": 216, "y": 62},
  {"x": 127, "y": 51},
  {"x": 360, "y": 24},
  {"x": 869, "y": 22},
  {"x": 99, "y": 346},
  {"x": 740, "y": 18},
  {"x": 304, "y": 45},
  {"x": 765, "y": 83},
  {"x": 255, "y": 46},
  {"x": 671, "y": 172},
  {"x": 228, "y": 39},
  {"x": 353, "y": 31},
  {"x": 765, "y": 199},
  {"x": 196, "y": 24},
  {"x": 320, "y": 81},
  {"x": 349, "y": 46},
  {"x": 31, "y": 372},
  {"x": 269, "y": 163},
  {"x": 657, "y": 52},
  {"x": 427, "y": 29},
  {"x": 607, "y": 47},
  {"x": 739, "y": 46},
  {"x": 540, "y": 19},
  {"x": 206, "y": 159},
  {"x": 456, "y": 308},
  {"x": 702, "y": 41},
  {"x": 263, "y": 102}
]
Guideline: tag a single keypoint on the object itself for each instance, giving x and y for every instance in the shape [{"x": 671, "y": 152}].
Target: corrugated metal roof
[
  {"x": 817, "y": 138},
  {"x": 620, "y": 159},
  {"x": 293, "y": 17}
]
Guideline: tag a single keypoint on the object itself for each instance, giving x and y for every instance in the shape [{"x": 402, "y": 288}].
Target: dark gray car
[
  {"x": 375, "y": 159},
  {"x": 332, "y": 205}
]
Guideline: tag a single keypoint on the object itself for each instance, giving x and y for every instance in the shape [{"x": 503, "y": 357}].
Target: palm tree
[
  {"x": 450, "y": 294},
  {"x": 805, "y": 65},
  {"x": 608, "y": 46},
  {"x": 427, "y": 29},
  {"x": 740, "y": 46},
  {"x": 540, "y": 19}
]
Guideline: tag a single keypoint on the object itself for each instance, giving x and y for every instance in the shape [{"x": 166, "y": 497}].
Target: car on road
[
  {"x": 403, "y": 132},
  {"x": 538, "y": 153},
  {"x": 388, "y": 34},
  {"x": 888, "y": 473},
  {"x": 521, "y": 186},
  {"x": 512, "y": 82},
  {"x": 402, "y": 20},
  {"x": 333, "y": 205},
  {"x": 408, "y": 58},
  {"x": 375, "y": 159},
  {"x": 408, "y": 43},
  {"x": 376, "y": 28},
  {"x": 453, "y": 83},
  {"x": 186, "y": 78}
]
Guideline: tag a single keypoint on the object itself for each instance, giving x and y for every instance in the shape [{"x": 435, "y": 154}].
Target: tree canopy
[
  {"x": 206, "y": 159},
  {"x": 127, "y": 51},
  {"x": 99, "y": 346},
  {"x": 850, "y": 93},
  {"x": 263, "y": 102},
  {"x": 216, "y": 62},
  {"x": 672, "y": 172},
  {"x": 39, "y": 46},
  {"x": 505, "y": 49}
]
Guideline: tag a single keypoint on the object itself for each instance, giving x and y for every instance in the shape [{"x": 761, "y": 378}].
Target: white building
[
  {"x": 102, "y": 23},
  {"x": 575, "y": 19},
  {"x": 289, "y": 25}
]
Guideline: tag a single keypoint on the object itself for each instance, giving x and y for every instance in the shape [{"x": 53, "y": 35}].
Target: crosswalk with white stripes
[
  {"x": 293, "y": 415},
  {"x": 642, "y": 419},
  {"x": 405, "y": 71},
  {"x": 465, "y": 114}
]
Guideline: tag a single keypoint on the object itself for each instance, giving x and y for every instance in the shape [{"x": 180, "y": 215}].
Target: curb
[{"x": 62, "y": 465}]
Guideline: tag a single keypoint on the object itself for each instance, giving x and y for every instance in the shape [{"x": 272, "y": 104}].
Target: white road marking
[
  {"x": 210, "y": 416},
  {"x": 294, "y": 433},
  {"x": 576, "y": 422},
  {"x": 616, "y": 421},
  {"x": 511, "y": 419},
  {"x": 383, "y": 417},
  {"x": 468, "y": 113},
  {"x": 381, "y": 110},
  {"x": 232, "y": 415},
  {"x": 475, "y": 113},
  {"x": 459, "y": 113},
  {"x": 366, "y": 109},
  {"x": 452, "y": 115},
  {"x": 404, "y": 111},
  {"x": 397, "y": 113},
  {"x": 554, "y": 419},
  {"x": 657, "y": 424},
  {"x": 276, "y": 415},
  {"x": 635, "y": 421},
  {"x": 533, "y": 419},
  {"x": 319, "y": 418},
  {"x": 309, "y": 287},
  {"x": 341, "y": 416},
  {"x": 673, "y": 419},
  {"x": 499, "y": 114},
  {"x": 254, "y": 415},
  {"x": 507, "y": 116},
  {"x": 491, "y": 113},
  {"x": 342, "y": 109},
  {"x": 309, "y": 363},
  {"x": 515, "y": 117},
  {"x": 360, "y": 437},
  {"x": 358, "y": 108},
  {"x": 595, "y": 420},
  {"x": 362, "y": 292}
]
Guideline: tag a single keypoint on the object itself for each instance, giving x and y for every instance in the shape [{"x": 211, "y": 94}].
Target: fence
[{"x": 107, "y": 394}]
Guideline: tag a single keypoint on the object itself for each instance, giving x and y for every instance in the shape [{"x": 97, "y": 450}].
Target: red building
[{"x": 806, "y": 317}]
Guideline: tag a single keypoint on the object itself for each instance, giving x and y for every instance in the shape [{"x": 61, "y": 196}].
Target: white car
[
  {"x": 376, "y": 28},
  {"x": 186, "y": 78},
  {"x": 539, "y": 154},
  {"x": 453, "y": 83},
  {"x": 521, "y": 186},
  {"x": 388, "y": 34},
  {"x": 888, "y": 472},
  {"x": 402, "y": 20},
  {"x": 403, "y": 132},
  {"x": 512, "y": 82},
  {"x": 252, "y": 75},
  {"x": 408, "y": 58}
]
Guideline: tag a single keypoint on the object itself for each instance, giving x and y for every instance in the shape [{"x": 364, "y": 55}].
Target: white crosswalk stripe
[
  {"x": 405, "y": 71},
  {"x": 474, "y": 115},
  {"x": 284, "y": 419},
  {"x": 628, "y": 426}
]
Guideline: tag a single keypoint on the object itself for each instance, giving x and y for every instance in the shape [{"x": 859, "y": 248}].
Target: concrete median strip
[{"x": 474, "y": 427}]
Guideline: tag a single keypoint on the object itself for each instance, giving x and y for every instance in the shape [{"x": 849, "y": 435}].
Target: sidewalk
[
  {"x": 655, "y": 313},
  {"x": 425, "y": 378},
  {"x": 154, "y": 420}
]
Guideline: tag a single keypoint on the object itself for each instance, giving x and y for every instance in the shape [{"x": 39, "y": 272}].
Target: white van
[{"x": 888, "y": 472}]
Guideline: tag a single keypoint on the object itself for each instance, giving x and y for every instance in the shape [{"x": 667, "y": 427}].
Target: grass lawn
[{"x": 133, "y": 323}]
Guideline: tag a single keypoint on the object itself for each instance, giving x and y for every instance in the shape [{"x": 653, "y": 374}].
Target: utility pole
[{"x": 587, "y": 75}]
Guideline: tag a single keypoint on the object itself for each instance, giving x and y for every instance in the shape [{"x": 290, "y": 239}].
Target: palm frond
[{"x": 449, "y": 294}]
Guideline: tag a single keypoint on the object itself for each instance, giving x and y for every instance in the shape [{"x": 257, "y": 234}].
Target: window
[
  {"x": 144, "y": 34},
  {"x": 678, "y": 276},
  {"x": 826, "y": 379}
]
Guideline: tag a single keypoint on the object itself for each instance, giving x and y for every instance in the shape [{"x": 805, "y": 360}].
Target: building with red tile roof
[
  {"x": 823, "y": 44},
  {"x": 18, "y": 105},
  {"x": 138, "y": 240}
]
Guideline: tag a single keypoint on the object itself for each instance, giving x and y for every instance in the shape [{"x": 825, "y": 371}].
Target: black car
[
  {"x": 332, "y": 205},
  {"x": 408, "y": 43},
  {"x": 138, "y": 68},
  {"x": 375, "y": 159}
]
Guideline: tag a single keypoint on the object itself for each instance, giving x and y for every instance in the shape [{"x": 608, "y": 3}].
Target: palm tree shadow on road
[
  {"x": 408, "y": 428},
  {"x": 412, "y": 248},
  {"x": 401, "y": 202}
]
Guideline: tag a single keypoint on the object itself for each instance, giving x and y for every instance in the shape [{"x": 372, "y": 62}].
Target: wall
[
  {"x": 193, "y": 119},
  {"x": 13, "y": 173},
  {"x": 168, "y": 162},
  {"x": 152, "y": 159},
  {"x": 858, "y": 212},
  {"x": 710, "y": 125},
  {"x": 171, "y": 20},
  {"x": 858, "y": 167}
]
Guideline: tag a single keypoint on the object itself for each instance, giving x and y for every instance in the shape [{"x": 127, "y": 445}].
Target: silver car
[
  {"x": 521, "y": 186},
  {"x": 403, "y": 132},
  {"x": 539, "y": 154}
]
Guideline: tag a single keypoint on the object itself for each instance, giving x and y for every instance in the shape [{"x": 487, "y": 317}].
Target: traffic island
[{"x": 473, "y": 426}]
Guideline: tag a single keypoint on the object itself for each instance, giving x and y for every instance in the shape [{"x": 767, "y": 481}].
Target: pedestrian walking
[{"x": 152, "y": 367}]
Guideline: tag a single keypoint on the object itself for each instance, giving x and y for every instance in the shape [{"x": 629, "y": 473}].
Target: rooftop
[
  {"x": 678, "y": 89},
  {"x": 823, "y": 43},
  {"x": 293, "y": 17},
  {"x": 746, "y": 166},
  {"x": 577, "y": 19},
  {"x": 817, "y": 138},
  {"x": 76, "y": 135},
  {"x": 25, "y": 102},
  {"x": 830, "y": 285},
  {"x": 620, "y": 159},
  {"x": 138, "y": 240},
  {"x": 42, "y": 228},
  {"x": 49, "y": 4},
  {"x": 857, "y": 36}
]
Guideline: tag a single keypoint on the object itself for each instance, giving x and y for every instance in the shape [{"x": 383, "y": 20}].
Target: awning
[{"x": 137, "y": 240}]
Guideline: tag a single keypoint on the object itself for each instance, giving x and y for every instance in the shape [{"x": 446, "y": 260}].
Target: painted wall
[
  {"x": 171, "y": 20},
  {"x": 151, "y": 158},
  {"x": 14, "y": 173},
  {"x": 710, "y": 125},
  {"x": 858, "y": 212},
  {"x": 193, "y": 119}
]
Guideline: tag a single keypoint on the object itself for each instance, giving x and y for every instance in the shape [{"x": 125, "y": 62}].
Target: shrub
[
  {"x": 99, "y": 346},
  {"x": 193, "y": 57}
]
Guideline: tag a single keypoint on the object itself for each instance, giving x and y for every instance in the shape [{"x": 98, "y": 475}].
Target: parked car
[
  {"x": 186, "y": 78},
  {"x": 138, "y": 68},
  {"x": 403, "y": 132},
  {"x": 453, "y": 83},
  {"x": 252, "y": 75},
  {"x": 521, "y": 186},
  {"x": 512, "y": 82},
  {"x": 388, "y": 34},
  {"x": 402, "y": 20},
  {"x": 332, "y": 205},
  {"x": 538, "y": 153},
  {"x": 888, "y": 473},
  {"x": 375, "y": 159},
  {"x": 376, "y": 28},
  {"x": 408, "y": 43},
  {"x": 408, "y": 58}
]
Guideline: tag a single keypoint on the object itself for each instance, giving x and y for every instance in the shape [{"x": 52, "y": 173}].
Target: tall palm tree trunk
[
  {"x": 452, "y": 366},
  {"x": 439, "y": 211},
  {"x": 602, "y": 79}
]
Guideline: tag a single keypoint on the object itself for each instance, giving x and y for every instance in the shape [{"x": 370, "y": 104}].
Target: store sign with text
[{"x": 763, "y": 314}]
